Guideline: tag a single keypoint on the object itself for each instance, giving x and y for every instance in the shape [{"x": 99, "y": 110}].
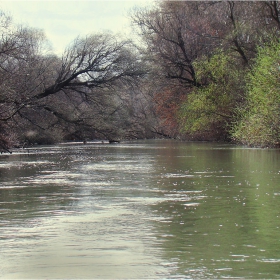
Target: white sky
[{"x": 64, "y": 20}]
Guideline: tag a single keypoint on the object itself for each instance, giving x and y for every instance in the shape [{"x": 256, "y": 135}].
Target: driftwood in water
[{"x": 111, "y": 141}]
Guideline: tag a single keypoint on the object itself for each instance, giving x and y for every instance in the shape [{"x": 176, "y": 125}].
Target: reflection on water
[{"x": 149, "y": 209}]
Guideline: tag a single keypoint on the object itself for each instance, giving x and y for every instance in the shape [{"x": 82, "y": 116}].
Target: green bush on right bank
[
  {"x": 259, "y": 123},
  {"x": 241, "y": 104}
]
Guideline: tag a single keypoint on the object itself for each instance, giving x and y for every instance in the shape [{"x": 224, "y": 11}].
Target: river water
[{"x": 148, "y": 209}]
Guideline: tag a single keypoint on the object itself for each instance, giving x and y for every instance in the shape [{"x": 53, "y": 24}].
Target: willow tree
[
  {"x": 92, "y": 71},
  {"x": 43, "y": 91}
]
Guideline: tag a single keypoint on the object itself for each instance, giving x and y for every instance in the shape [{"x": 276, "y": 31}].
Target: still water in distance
[{"x": 149, "y": 209}]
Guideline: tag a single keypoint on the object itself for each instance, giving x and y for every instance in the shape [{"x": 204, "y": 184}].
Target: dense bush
[
  {"x": 260, "y": 120},
  {"x": 210, "y": 109}
]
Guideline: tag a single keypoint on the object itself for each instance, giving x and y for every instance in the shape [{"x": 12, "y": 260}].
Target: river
[{"x": 145, "y": 209}]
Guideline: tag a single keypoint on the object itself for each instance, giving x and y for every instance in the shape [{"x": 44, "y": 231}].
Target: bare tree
[
  {"x": 170, "y": 34},
  {"x": 39, "y": 91}
]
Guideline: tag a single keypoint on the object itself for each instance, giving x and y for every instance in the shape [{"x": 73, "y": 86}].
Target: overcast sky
[{"x": 63, "y": 20}]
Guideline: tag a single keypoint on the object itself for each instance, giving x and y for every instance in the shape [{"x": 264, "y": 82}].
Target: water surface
[{"x": 147, "y": 209}]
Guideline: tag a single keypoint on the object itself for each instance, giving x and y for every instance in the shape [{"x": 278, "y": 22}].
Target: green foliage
[
  {"x": 260, "y": 120},
  {"x": 212, "y": 107}
]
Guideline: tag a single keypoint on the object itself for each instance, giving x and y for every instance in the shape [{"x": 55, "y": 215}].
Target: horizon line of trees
[{"x": 204, "y": 70}]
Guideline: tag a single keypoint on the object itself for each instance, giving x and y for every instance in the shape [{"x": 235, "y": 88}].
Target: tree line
[
  {"x": 217, "y": 64},
  {"x": 203, "y": 70}
]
